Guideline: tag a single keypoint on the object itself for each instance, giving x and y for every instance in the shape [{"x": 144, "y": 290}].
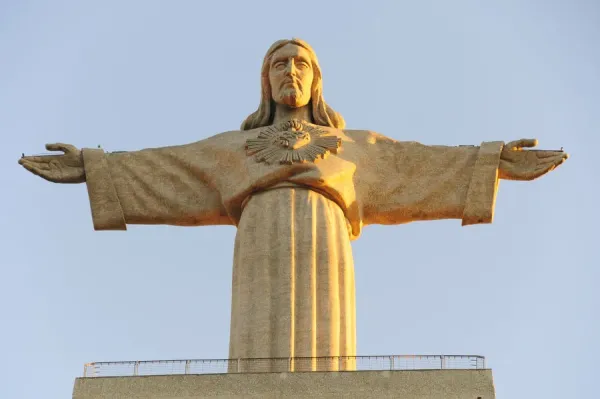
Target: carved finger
[
  {"x": 518, "y": 145},
  {"x": 28, "y": 164},
  {"x": 33, "y": 163},
  {"x": 560, "y": 160},
  {"x": 555, "y": 160},
  {"x": 37, "y": 159},
  {"x": 66, "y": 148},
  {"x": 548, "y": 154},
  {"x": 36, "y": 170},
  {"x": 28, "y": 159}
]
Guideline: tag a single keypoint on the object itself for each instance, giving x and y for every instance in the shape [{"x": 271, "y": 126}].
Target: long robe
[{"x": 293, "y": 276}]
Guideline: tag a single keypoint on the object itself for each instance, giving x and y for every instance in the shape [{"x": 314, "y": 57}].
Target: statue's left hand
[
  {"x": 519, "y": 164},
  {"x": 63, "y": 168}
]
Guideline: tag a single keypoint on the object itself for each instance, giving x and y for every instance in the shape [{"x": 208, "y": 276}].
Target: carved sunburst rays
[{"x": 291, "y": 142}]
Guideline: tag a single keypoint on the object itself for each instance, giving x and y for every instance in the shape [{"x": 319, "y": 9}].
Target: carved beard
[{"x": 290, "y": 97}]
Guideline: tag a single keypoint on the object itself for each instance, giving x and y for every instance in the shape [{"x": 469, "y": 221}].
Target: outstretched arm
[
  {"x": 411, "y": 182},
  {"x": 169, "y": 185}
]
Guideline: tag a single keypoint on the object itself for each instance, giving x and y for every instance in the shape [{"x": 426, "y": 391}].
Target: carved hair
[{"x": 322, "y": 113}]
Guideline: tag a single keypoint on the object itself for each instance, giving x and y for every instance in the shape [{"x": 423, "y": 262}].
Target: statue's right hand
[{"x": 65, "y": 168}]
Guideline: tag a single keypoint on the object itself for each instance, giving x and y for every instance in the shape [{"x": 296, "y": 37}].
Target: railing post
[
  {"x": 85, "y": 366},
  {"x": 391, "y": 362},
  {"x": 187, "y": 366},
  {"x": 443, "y": 361},
  {"x": 136, "y": 368},
  {"x": 290, "y": 365},
  {"x": 238, "y": 364}
]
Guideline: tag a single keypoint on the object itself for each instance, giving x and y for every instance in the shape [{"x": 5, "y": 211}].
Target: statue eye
[
  {"x": 302, "y": 65},
  {"x": 279, "y": 65}
]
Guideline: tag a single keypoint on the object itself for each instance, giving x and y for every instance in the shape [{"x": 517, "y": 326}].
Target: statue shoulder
[
  {"x": 223, "y": 140},
  {"x": 228, "y": 135},
  {"x": 368, "y": 136}
]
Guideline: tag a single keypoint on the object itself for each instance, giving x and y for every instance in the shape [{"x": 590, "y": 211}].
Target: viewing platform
[{"x": 393, "y": 376}]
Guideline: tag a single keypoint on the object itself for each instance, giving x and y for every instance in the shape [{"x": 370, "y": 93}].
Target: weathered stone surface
[{"x": 422, "y": 384}]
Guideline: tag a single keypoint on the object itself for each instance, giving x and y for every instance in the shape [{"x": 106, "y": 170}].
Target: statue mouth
[{"x": 290, "y": 83}]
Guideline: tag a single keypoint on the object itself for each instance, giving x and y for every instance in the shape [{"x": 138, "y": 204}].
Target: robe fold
[{"x": 293, "y": 276}]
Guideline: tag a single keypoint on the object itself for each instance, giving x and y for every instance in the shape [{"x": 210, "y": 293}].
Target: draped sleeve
[
  {"x": 401, "y": 182},
  {"x": 169, "y": 185}
]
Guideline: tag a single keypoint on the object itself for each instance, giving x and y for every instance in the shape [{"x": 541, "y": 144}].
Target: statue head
[{"x": 291, "y": 76}]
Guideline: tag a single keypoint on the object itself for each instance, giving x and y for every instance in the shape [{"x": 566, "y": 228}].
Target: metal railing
[{"x": 278, "y": 365}]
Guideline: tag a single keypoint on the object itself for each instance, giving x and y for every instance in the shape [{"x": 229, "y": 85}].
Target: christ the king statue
[{"x": 299, "y": 187}]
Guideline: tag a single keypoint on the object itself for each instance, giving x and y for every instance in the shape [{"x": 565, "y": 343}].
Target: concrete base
[{"x": 417, "y": 384}]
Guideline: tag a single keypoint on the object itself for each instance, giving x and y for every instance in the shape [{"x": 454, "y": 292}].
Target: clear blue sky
[{"x": 522, "y": 291}]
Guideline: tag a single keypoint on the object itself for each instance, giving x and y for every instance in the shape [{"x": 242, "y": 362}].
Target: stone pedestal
[{"x": 417, "y": 384}]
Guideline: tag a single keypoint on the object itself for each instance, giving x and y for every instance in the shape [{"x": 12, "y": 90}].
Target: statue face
[{"x": 291, "y": 76}]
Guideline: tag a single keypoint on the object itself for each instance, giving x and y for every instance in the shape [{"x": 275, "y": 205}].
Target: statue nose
[{"x": 290, "y": 69}]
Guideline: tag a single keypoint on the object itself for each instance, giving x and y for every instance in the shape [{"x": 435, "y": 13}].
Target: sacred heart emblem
[{"x": 292, "y": 142}]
